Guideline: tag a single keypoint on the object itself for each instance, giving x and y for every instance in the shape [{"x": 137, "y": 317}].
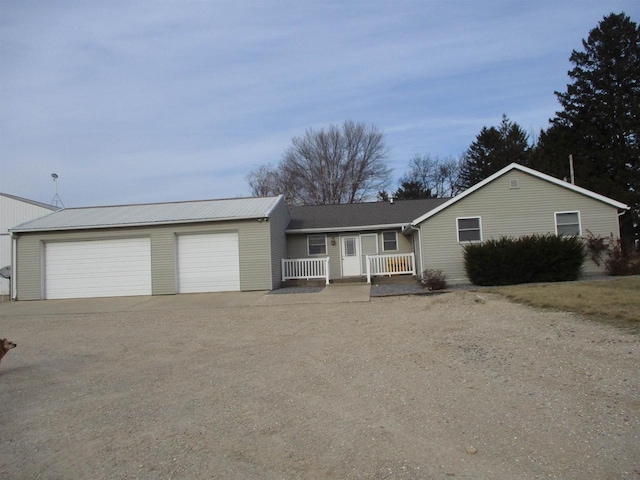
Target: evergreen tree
[
  {"x": 600, "y": 121},
  {"x": 493, "y": 149},
  {"x": 412, "y": 190}
]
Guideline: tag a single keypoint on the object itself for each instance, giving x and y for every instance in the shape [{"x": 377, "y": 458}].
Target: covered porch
[{"x": 387, "y": 265}]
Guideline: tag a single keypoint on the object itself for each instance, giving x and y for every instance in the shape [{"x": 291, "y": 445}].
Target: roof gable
[
  {"x": 530, "y": 171},
  {"x": 358, "y": 216},
  {"x": 153, "y": 214}
]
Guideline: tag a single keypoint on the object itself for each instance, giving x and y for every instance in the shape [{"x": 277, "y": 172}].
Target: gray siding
[
  {"x": 415, "y": 239},
  {"x": 510, "y": 212},
  {"x": 253, "y": 236},
  {"x": 28, "y": 279},
  {"x": 163, "y": 263},
  {"x": 255, "y": 255},
  {"x": 335, "y": 259},
  {"x": 297, "y": 248},
  {"x": 278, "y": 222},
  {"x": 404, "y": 244},
  {"x": 369, "y": 246}
]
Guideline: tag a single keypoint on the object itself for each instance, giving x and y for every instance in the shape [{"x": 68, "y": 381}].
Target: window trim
[
  {"x": 469, "y": 229},
  {"x": 396, "y": 241},
  {"x": 555, "y": 221},
  {"x": 309, "y": 246}
]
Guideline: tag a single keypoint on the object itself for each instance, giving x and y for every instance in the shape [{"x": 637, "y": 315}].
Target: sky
[{"x": 167, "y": 100}]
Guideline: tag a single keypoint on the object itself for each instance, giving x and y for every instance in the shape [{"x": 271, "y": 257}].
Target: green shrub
[{"x": 532, "y": 258}]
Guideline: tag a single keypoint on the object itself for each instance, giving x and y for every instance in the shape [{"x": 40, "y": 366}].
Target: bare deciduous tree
[
  {"x": 337, "y": 164},
  {"x": 264, "y": 181},
  {"x": 430, "y": 177}
]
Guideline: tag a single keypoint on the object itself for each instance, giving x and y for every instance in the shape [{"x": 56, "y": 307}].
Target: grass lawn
[{"x": 616, "y": 300}]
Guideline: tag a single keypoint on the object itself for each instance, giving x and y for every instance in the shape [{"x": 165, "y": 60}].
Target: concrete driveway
[{"x": 331, "y": 294}]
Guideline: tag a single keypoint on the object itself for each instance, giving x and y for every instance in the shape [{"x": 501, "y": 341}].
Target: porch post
[
  {"x": 368, "y": 270},
  {"x": 283, "y": 272},
  {"x": 326, "y": 270}
]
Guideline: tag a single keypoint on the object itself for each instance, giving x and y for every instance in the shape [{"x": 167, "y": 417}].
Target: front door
[{"x": 350, "y": 256}]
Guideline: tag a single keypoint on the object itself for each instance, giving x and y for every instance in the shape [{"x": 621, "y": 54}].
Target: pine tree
[
  {"x": 412, "y": 190},
  {"x": 493, "y": 149},
  {"x": 600, "y": 121}
]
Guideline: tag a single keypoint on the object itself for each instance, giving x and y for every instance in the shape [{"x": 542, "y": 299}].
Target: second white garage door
[{"x": 208, "y": 263}]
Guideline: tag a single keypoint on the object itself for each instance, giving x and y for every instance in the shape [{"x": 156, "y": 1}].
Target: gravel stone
[
  {"x": 293, "y": 290},
  {"x": 391, "y": 289},
  {"x": 397, "y": 387}
]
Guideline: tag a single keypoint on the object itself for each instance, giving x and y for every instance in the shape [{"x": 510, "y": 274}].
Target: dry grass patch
[{"x": 616, "y": 300}]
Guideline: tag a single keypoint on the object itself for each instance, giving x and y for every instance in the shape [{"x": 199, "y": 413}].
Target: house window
[
  {"x": 469, "y": 229},
  {"x": 389, "y": 241},
  {"x": 568, "y": 224},
  {"x": 317, "y": 244}
]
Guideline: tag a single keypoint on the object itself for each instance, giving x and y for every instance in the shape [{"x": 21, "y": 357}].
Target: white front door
[{"x": 350, "y": 256}]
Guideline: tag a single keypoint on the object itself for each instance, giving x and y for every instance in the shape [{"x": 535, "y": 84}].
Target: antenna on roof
[
  {"x": 573, "y": 178},
  {"x": 56, "y": 197}
]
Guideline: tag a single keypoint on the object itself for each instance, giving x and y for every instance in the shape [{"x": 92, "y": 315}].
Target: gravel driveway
[{"x": 446, "y": 386}]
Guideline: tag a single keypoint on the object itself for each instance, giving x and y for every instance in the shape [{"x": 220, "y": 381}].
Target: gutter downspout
[
  {"x": 13, "y": 282},
  {"x": 411, "y": 227},
  {"x": 619, "y": 215}
]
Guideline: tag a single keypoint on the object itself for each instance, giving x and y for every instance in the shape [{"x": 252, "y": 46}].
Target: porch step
[
  {"x": 314, "y": 282},
  {"x": 349, "y": 280}
]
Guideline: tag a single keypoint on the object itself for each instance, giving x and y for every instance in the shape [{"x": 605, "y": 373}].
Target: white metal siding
[
  {"x": 208, "y": 262},
  {"x": 97, "y": 268},
  {"x": 14, "y": 212}
]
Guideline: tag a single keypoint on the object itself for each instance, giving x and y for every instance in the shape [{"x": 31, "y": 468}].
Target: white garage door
[
  {"x": 97, "y": 268},
  {"x": 208, "y": 263}
]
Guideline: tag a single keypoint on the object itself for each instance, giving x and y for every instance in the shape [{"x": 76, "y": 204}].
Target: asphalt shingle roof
[{"x": 358, "y": 215}]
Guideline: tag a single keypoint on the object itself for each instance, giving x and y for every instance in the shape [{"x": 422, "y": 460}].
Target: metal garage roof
[{"x": 152, "y": 214}]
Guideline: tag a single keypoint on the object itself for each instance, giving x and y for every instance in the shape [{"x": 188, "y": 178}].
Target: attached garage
[
  {"x": 97, "y": 268},
  {"x": 151, "y": 249},
  {"x": 208, "y": 262}
]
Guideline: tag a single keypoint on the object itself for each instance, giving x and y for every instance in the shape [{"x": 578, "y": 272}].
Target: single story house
[
  {"x": 256, "y": 243},
  {"x": 410, "y": 236},
  {"x": 15, "y": 210}
]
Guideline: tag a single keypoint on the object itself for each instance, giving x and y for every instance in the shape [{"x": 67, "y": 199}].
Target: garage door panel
[
  {"x": 208, "y": 263},
  {"x": 98, "y": 268}
]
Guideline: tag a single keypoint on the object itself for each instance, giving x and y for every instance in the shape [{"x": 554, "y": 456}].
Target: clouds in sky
[{"x": 170, "y": 100}]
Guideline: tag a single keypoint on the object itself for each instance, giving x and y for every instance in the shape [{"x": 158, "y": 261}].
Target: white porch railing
[
  {"x": 399, "y": 264},
  {"x": 305, "y": 268}
]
